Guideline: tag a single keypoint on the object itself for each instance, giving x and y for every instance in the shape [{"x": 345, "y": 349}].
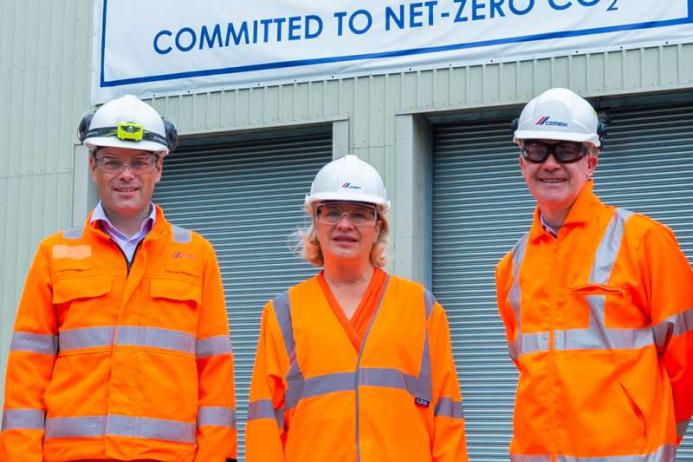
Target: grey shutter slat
[
  {"x": 246, "y": 198},
  {"x": 481, "y": 207}
]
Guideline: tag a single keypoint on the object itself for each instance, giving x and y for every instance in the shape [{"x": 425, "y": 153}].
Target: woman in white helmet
[{"x": 353, "y": 363}]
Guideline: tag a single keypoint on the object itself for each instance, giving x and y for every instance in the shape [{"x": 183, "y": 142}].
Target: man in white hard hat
[
  {"x": 121, "y": 348},
  {"x": 597, "y": 303}
]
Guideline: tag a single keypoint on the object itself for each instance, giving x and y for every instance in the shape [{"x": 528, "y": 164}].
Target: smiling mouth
[
  {"x": 125, "y": 190},
  {"x": 552, "y": 180},
  {"x": 344, "y": 239}
]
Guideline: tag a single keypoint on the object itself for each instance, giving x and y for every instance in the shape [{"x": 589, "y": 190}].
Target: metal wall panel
[
  {"x": 482, "y": 207},
  {"x": 45, "y": 48},
  {"x": 247, "y": 198}
]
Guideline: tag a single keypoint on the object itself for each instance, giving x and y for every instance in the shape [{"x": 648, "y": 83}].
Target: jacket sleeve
[
  {"x": 668, "y": 284},
  {"x": 216, "y": 418},
  {"x": 266, "y": 426},
  {"x": 503, "y": 283},
  {"x": 449, "y": 440},
  {"x": 30, "y": 366}
]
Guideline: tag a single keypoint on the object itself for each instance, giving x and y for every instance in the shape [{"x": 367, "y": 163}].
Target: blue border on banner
[{"x": 384, "y": 54}]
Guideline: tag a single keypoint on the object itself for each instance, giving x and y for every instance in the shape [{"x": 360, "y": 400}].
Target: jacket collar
[
  {"x": 160, "y": 227},
  {"x": 581, "y": 212}
]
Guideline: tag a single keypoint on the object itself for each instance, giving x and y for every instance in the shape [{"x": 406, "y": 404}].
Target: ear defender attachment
[
  {"x": 515, "y": 123},
  {"x": 171, "y": 134},
  {"x": 84, "y": 123},
  {"x": 602, "y": 127}
]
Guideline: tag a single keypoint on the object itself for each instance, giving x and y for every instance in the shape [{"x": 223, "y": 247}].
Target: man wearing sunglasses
[
  {"x": 597, "y": 304},
  {"x": 120, "y": 348}
]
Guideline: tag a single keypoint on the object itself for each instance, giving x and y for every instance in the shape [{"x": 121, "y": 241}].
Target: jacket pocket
[
  {"x": 639, "y": 415},
  {"x": 70, "y": 289},
  {"x": 176, "y": 290},
  {"x": 597, "y": 289}
]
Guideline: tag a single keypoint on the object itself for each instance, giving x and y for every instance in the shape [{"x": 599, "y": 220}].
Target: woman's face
[{"x": 346, "y": 230}]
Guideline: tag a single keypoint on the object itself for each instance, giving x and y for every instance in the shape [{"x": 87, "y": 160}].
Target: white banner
[{"x": 157, "y": 47}]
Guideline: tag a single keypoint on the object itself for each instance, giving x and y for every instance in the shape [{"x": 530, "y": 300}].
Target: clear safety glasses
[
  {"x": 138, "y": 165},
  {"x": 359, "y": 214},
  {"x": 564, "y": 152}
]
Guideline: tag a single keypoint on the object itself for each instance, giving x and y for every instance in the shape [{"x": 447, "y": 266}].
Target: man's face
[
  {"x": 125, "y": 190},
  {"x": 556, "y": 185}
]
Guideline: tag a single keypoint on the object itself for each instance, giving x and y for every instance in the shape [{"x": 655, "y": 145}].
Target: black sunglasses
[{"x": 564, "y": 152}]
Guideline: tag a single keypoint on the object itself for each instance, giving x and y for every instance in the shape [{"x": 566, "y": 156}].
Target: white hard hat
[
  {"x": 348, "y": 179},
  {"x": 559, "y": 114},
  {"x": 128, "y": 122}
]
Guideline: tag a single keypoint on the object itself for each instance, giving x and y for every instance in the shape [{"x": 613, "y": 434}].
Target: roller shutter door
[
  {"x": 246, "y": 198},
  {"x": 481, "y": 207}
]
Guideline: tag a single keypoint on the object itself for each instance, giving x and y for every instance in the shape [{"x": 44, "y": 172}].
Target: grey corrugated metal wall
[
  {"x": 247, "y": 198},
  {"x": 482, "y": 207},
  {"x": 45, "y": 49}
]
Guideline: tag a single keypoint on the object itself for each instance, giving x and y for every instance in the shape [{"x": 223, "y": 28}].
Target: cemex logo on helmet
[
  {"x": 544, "y": 120},
  {"x": 348, "y": 185}
]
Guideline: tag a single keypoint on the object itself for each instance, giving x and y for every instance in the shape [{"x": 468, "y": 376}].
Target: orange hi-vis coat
[
  {"x": 115, "y": 362},
  {"x": 315, "y": 397},
  {"x": 600, "y": 325}
]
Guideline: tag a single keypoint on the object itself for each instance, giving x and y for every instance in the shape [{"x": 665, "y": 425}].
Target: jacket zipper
[{"x": 128, "y": 263}]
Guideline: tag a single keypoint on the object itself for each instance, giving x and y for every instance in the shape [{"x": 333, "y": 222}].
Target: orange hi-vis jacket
[
  {"x": 315, "y": 397},
  {"x": 600, "y": 325},
  {"x": 120, "y": 362}
]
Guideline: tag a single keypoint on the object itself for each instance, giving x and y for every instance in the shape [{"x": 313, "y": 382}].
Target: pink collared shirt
[{"x": 127, "y": 245}]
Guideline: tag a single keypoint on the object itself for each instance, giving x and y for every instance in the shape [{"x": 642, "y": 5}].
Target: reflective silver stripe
[
  {"x": 23, "y": 419},
  {"x": 515, "y": 295},
  {"x": 147, "y": 428},
  {"x": 393, "y": 378},
  {"x": 604, "y": 261},
  {"x": 603, "y": 339},
  {"x": 283, "y": 312},
  {"x": 535, "y": 341},
  {"x": 524, "y": 458},
  {"x": 118, "y": 425},
  {"x": 92, "y": 337},
  {"x": 156, "y": 338},
  {"x": 608, "y": 247},
  {"x": 449, "y": 408},
  {"x": 216, "y": 416},
  {"x": 295, "y": 382},
  {"x": 681, "y": 428},
  {"x": 261, "y": 409},
  {"x": 87, "y": 337},
  {"x": 181, "y": 235},
  {"x": 264, "y": 409},
  {"x": 294, "y": 376},
  {"x": 328, "y": 383},
  {"x": 675, "y": 325},
  {"x": 382, "y": 377},
  {"x": 666, "y": 453},
  {"x": 212, "y": 346},
  {"x": 422, "y": 386},
  {"x": 75, "y": 427},
  {"x": 36, "y": 343},
  {"x": 429, "y": 301},
  {"x": 74, "y": 233}
]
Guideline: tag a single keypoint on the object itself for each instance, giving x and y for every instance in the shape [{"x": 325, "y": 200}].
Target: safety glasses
[
  {"x": 138, "y": 165},
  {"x": 359, "y": 214},
  {"x": 564, "y": 152}
]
